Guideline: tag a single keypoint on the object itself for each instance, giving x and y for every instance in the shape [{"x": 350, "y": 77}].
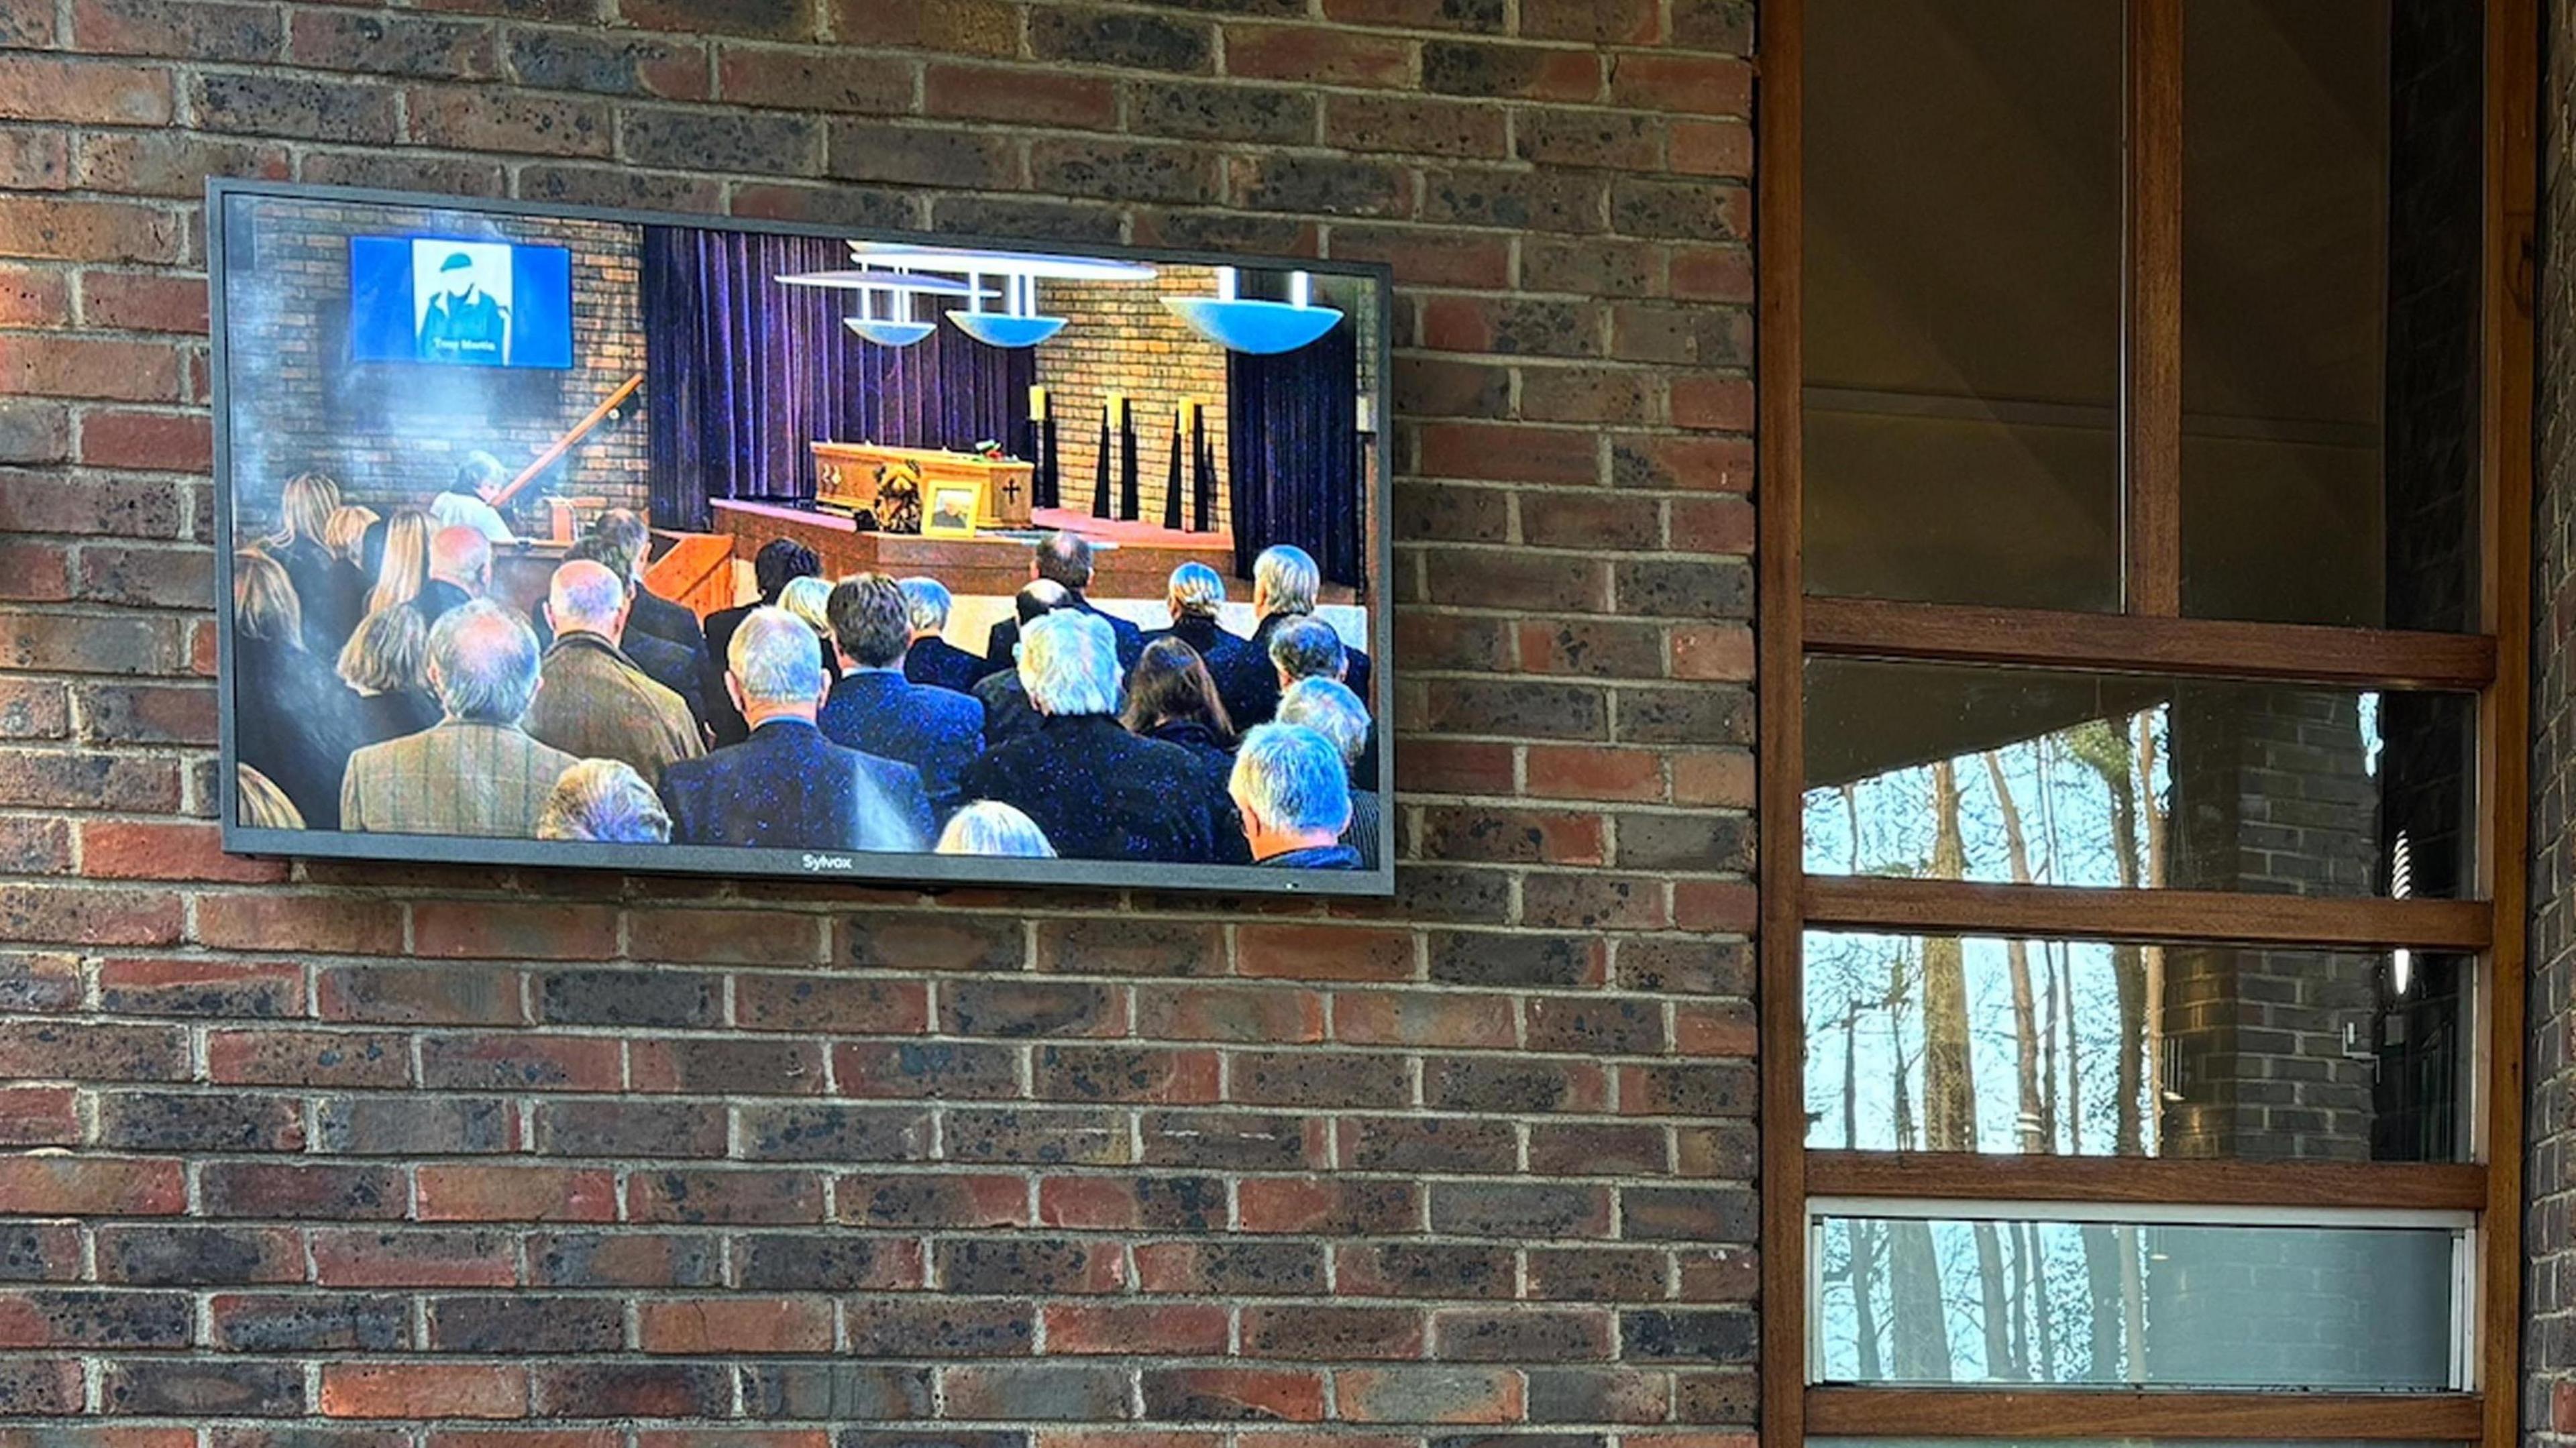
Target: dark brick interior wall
[
  {"x": 393, "y": 435},
  {"x": 352, "y": 1157}
]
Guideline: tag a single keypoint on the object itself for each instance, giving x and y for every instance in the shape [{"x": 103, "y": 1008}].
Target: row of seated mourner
[{"x": 379, "y": 688}]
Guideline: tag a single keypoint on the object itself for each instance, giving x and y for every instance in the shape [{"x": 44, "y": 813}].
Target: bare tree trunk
[
  {"x": 1864, "y": 1234},
  {"x": 2151, "y": 958},
  {"x": 2032, "y": 1118},
  {"x": 1920, "y": 1319},
  {"x": 1949, "y": 1064}
]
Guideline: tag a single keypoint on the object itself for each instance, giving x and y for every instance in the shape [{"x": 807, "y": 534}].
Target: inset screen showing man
[{"x": 461, "y": 293}]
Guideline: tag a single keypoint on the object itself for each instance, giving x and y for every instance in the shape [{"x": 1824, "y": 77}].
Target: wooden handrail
[{"x": 569, "y": 440}]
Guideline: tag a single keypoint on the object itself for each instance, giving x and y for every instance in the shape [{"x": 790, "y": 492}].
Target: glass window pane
[
  {"x": 1962, "y": 319},
  {"x": 2342, "y": 1307},
  {"x": 2331, "y": 225},
  {"x": 2058, "y": 778},
  {"x": 2084, "y": 1048}
]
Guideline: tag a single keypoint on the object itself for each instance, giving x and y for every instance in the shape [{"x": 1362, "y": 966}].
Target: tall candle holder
[{"x": 1172, "y": 476}]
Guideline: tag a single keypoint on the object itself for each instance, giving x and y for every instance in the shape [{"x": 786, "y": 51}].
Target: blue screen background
[{"x": 380, "y": 304}]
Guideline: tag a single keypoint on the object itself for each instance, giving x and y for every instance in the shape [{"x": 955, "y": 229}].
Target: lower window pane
[
  {"x": 2085, "y": 1048},
  {"x": 2352, "y": 1308}
]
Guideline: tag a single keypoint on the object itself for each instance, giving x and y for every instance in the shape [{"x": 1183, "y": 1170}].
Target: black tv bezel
[{"x": 929, "y": 871}]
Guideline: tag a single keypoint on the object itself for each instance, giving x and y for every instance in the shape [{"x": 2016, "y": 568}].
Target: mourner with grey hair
[
  {"x": 1294, "y": 795},
  {"x": 1194, "y": 596},
  {"x": 1333, "y": 711},
  {"x": 932, "y": 659},
  {"x": 785, "y": 786},
  {"x": 476, "y": 772},
  {"x": 1307, "y": 648},
  {"x": 994, "y": 829},
  {"x": 1286, "y": 585},
  {"x": 604, "y": 801},
  {"x": 1095, "y": 790}
]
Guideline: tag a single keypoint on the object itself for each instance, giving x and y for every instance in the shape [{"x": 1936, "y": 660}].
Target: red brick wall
[{"x": 312, "y": 1155}]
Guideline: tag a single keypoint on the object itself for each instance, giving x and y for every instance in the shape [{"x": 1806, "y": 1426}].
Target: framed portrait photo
[{"x": 951, "y": 510}]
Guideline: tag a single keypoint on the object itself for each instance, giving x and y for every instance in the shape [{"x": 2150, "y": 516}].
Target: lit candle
[
  {"x": 1117, "y": 410},
  {"x": 1037, "y": 404}
]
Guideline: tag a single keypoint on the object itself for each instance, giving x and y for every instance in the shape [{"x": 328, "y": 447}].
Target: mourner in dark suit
[
  {"x": 477, "y": 772},
  {"x": 876, "y": 710},
  {"x": 294, "y": 721},
  {"x": 1333, "y": 711},
  {"x": 1285, "y": 584},
  {"x": 779, "y": 562},
  {"x": 1063, "y": 559},
  {"x": 620, "y": 539},
  {"x": 1095, "y": 790},
  {"x": 460, "y": 571},
  {"x": 595, "y": 702},
  {"x": 786, "y": 786},
  {"x": 1007, "y": 714},
  {"x": 1294, "y": 795},
  {"x": 932, "y": 659},
  {"x": 1194, "y": 596}
]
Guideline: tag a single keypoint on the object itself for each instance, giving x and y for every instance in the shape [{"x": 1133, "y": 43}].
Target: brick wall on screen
[
  {"x": 339, "y": 1156},
  {"x": 2549, "y": 1052}
]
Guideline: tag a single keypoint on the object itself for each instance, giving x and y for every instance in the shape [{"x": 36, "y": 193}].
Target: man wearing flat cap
[{"x": 465, "y": 323}]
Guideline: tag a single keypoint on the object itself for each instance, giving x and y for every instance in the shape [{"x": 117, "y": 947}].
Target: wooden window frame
[{"x": 2149, "y": 636}]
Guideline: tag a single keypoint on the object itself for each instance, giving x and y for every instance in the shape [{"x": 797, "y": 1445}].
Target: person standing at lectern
[{"x": 472, "y": 501}]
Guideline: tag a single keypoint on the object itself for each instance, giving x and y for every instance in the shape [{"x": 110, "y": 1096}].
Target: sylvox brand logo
[{"x": 830, "y": 862}]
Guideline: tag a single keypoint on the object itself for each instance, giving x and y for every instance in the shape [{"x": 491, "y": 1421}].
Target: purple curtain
[
  {"x": 1293, "y": 429},
  {"x": 743, "y": 373},
  {"x": 946, "y": 390}
]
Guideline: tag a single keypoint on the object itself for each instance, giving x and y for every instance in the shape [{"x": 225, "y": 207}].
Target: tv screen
[
  {"x": 810, "y": 551},
  {"x": 459, "y": 300}
]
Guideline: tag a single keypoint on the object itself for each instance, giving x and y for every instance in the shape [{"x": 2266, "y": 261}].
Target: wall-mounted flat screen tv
[{"x": 612, "y": 540}]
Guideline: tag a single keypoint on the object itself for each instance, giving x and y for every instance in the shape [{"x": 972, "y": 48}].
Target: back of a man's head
[
  {"x": 871, "y": 620},
  {"x": 926, "y": 603},
  {"x": 1307, "y": 648},
  {"x": 1291, "y": 777},
  {"x": 1038, "y": 598},
  {"x": 1330, "y": 709},
  {"x": 592, "y": 548},
  {"x": 780, "y": 561},
  {"x": 1064, "y": 558},
  {"x": 773, "y": 660},
  {"x": 1069, "y": 664},
  {"x": 485, "y": 659},
  {"x": 586, "y": 597},
  {"x": 623, "y": 537},
  {"x": 1286, "y": 580},
  {"x": 462, "y": 556}
]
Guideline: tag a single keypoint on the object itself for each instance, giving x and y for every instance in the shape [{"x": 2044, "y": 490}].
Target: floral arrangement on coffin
[
  {"x": 989, "y": 450},
  {"x": 898, "y": 506}
]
